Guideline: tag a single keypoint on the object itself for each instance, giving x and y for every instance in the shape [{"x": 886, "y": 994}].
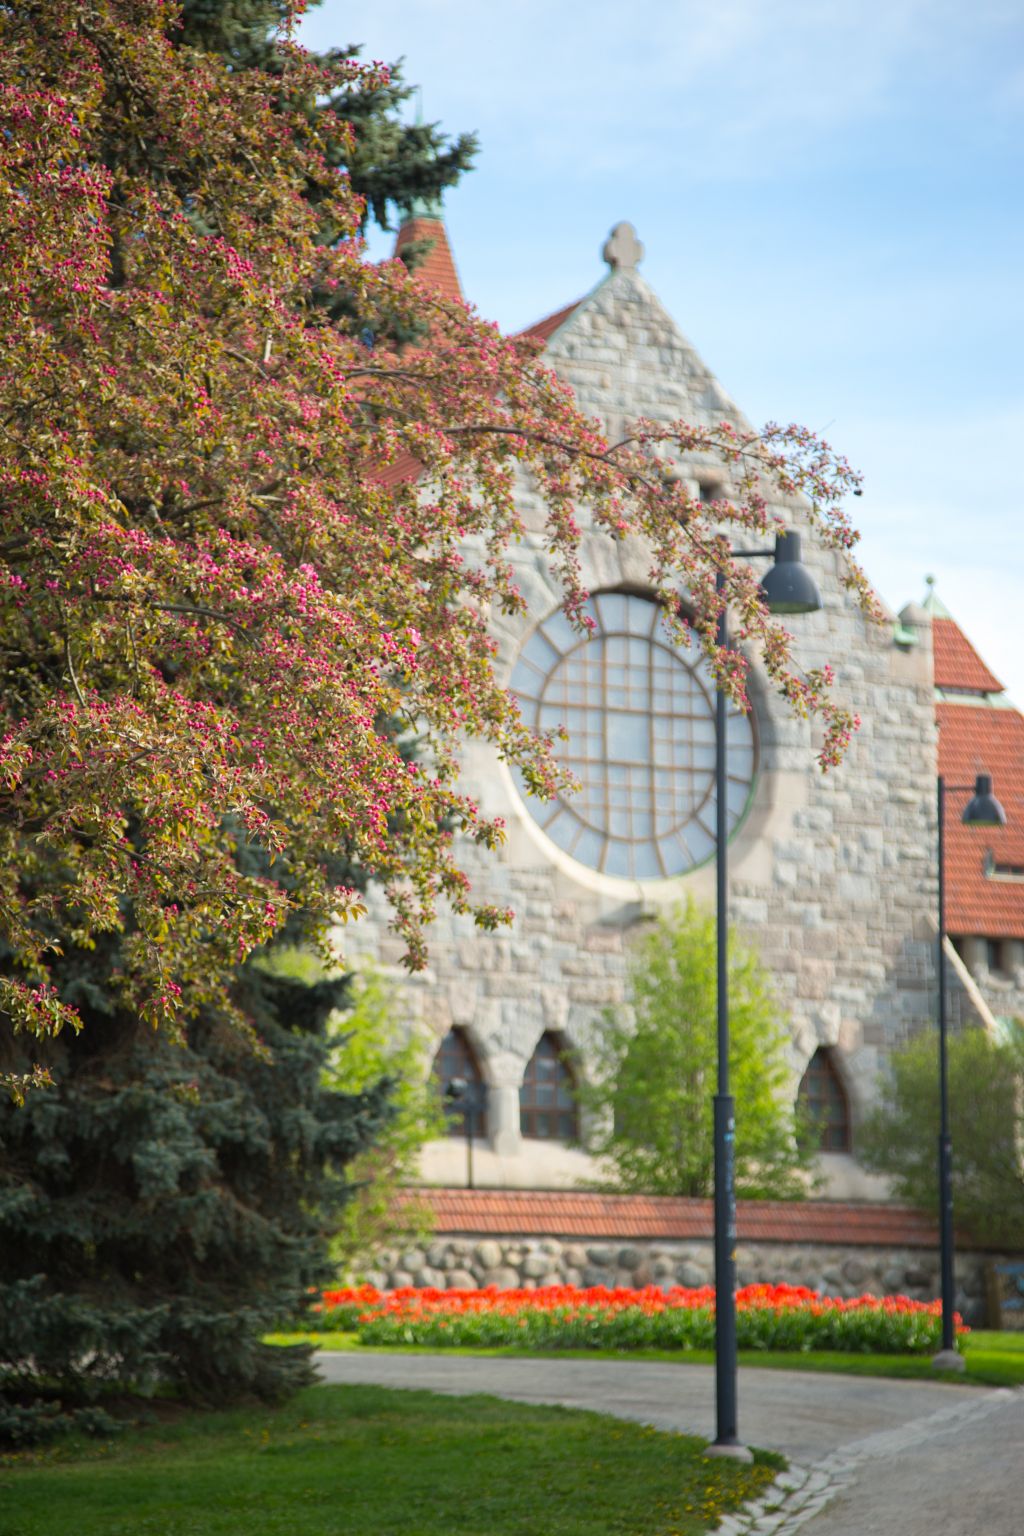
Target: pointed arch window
[
  {"x": 456, "y": 1060},
  {"x": 822, "y": 1099},
  {"x": 547, "y": 1100}
]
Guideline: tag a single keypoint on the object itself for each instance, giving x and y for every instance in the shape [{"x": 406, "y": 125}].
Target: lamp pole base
[
  {"x": 949, "y": 1360},
  {"x": 731, "y": 1450}
]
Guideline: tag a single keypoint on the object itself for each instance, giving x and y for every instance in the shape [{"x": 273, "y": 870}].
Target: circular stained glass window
[{"x": 640, "y": 717}]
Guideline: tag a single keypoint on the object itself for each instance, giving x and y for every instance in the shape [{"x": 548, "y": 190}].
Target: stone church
[{"x": 833, "y": 877}]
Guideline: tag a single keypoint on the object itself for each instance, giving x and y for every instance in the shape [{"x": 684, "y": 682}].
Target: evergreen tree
[
  {"x": 166, "y": 1203},
  {"x": 393, "y": 165}
]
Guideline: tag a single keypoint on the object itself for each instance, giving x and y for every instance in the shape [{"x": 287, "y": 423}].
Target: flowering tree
[{"x": 215, "y": 580}]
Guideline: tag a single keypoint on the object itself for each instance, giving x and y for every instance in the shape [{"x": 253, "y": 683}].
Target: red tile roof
[
  {"x": 403, "y": 471},
  {"x": 974, "y": 739},
  {"x": 546, "y": 328},
  {"x": 957, "y": 664},
  {"x": 568, "y": 1214},
  {"x": 437, "y": 269}
]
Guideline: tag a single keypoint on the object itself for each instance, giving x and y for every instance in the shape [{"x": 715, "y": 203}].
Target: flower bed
[{"x": 777, "y": 1317}]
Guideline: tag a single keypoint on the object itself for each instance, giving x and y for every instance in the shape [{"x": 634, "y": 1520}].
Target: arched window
[
  {"x": 456, "y": 1061},
  {"x": 547, "y": 1103},
  {"x": 822, "y": 1099}
]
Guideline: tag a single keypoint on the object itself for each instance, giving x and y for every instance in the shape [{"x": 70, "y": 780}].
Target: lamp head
[
  {"x": 457, "y": 1090},
  {"x": 789, "y": 586},
  {"x": 983, "y": 809}
]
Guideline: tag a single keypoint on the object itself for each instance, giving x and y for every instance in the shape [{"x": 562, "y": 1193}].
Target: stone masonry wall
[{"x": 468, "y": 1261}]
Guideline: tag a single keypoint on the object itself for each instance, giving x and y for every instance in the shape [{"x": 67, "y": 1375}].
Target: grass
[
  {"x": 339, "y": 1460},
  {"x": 993, "y": 1359}
]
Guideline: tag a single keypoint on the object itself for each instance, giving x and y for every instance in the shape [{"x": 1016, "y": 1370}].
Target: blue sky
[{"x": 830, "y": 194}]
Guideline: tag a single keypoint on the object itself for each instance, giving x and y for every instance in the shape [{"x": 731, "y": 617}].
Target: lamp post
[
  {"x": 461, "y": 1094},
  {"x": 788, "y": 587},
  {"x": 982, "y": 810}
]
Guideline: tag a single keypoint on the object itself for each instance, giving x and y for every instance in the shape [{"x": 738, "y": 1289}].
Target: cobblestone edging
[
  {"x": 800, "y": 1493},
  {"x": 450, "y": 1263}
]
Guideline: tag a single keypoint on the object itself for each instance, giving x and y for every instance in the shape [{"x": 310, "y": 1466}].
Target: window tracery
[{"x": 640, "y": 717}]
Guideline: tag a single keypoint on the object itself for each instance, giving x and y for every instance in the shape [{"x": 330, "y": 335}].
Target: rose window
[{"x": 640, "y": 717}]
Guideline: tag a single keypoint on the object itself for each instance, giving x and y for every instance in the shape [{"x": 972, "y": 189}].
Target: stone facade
[
  {"x": 1001, "y": 987},
  {"x": 832, "y": 876},
  {"x": 467, "y": 1261}
]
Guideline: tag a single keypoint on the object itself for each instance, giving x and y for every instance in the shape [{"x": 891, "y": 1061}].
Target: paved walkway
[{"x": 867, "y": 1455}]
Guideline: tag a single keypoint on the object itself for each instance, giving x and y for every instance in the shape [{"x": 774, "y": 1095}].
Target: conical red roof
[{"x": 437, "y": 269}]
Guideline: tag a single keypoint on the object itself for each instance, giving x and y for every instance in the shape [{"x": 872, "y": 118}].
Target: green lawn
[
  {"x": 363, "y": 1461},
  {"x": 993, "y": 1359}
]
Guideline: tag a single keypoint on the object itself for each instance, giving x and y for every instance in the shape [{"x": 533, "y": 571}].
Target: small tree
[
  {"x": 651, "y": 1097},
  {"x": 986, "y": 1107},
  {"x": 376, "y": 1048}
]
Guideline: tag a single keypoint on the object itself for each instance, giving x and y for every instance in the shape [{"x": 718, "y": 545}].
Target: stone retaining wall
[{"x": 466, "y": 1261}]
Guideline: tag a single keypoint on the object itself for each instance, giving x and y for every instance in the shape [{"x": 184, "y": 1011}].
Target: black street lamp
[
  {"x": 787, "y": 588},
  {"x": 460, "y": 1094},
  {"x": 981, "y": 810}
]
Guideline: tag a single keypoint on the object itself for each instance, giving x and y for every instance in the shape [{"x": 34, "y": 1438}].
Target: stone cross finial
[{"x": 622, "y": 250}]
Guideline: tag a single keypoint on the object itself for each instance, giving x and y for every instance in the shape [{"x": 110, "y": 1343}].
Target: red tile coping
[{"x": 565, "y": 1213}]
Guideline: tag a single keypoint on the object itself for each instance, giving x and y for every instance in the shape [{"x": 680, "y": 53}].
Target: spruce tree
[
  {"x": 164, "y": 1205},
  {"x": 393, "y": 165}
]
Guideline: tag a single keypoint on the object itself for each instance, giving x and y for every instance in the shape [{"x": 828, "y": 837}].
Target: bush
[{"x": 986, "y": 1108}]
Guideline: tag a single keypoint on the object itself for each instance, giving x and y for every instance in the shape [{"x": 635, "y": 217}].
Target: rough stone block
[
  {"x": 595, "y": 1275},
  {"x": 691, "y": 1274},
  {"x": 504, "y": 1277},
  {"x": 488, "y": 1254},
  {"x": 460, "y": 1280}
]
